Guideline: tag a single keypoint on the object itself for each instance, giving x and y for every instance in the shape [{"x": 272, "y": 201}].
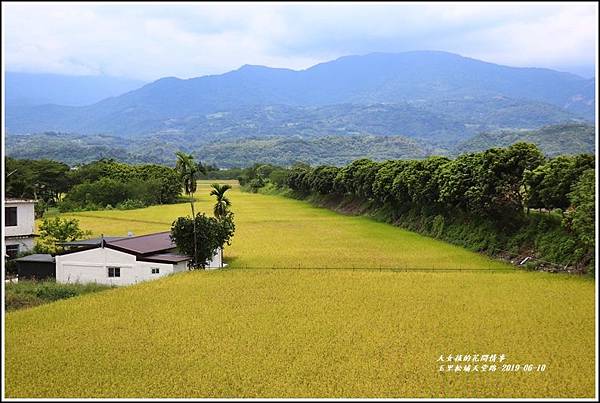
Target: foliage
[
  {"x": 222, "y": 203},
  {"x": 130, "y": 204},
  {"x": 43, "y": 180},
  {"x": 580, "y": 217},
  {"x": 549, "y": 184},
  {"x": 56, "y": 230},
  {"x": 492, "y": 187},
  {"x": 187, "y": 169},
  {"x": 211, "y": 234},
  {"x": 107, "y": 182}
]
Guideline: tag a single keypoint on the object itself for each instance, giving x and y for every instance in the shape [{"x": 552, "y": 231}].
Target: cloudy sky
[{"x": 153, "y": 40}]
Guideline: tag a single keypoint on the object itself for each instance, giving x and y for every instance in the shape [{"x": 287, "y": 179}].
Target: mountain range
[
  {"x": 30, "y": 89},
  {"x": 439, "y": 97}
]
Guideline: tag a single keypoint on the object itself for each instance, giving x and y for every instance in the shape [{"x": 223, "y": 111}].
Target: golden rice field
[
  {"x": 308, "y": 333},
  {"x": 272, "y": 231}
]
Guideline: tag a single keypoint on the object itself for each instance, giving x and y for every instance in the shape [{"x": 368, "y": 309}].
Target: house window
[
  {"x": 155, "y": 270},
  {"x": 12, "y": 250},
  {"x": 114, "y": 272},
  {"x": 11, "y": 216}
]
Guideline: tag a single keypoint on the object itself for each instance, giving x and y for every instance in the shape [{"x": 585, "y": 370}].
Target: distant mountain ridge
[
  {"x": 462, "y": 94},
  {"x": 29, "y": 89}
]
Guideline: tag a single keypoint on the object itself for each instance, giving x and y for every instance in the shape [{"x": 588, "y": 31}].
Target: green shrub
[
  {"x": 130, "y": 204},
  {"x": 29, "y": 293},
  {"x": 54, "y": 291}
]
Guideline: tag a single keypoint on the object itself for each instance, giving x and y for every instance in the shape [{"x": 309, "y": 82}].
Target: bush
[
  {"x": 54, "y": 291},
  {"x": 130, "y": 205},
  {"x": 255, "y": 184},
  {"x": 29, "y": 293}
]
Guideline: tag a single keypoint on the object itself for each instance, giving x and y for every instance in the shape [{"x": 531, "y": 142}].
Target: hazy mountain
[
  {"x": 552, "y": 140},
  {"x": 421, "y": 89},
  {"x": 439, "y": 121},
  {"x": 39, "y": 89}
]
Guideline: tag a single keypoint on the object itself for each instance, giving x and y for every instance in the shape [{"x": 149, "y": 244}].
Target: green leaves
[
  {"x": 222, "y": 204},
  {"x": 211, "y": 233},
  {"x": 56, "y": 230},
  {"x": 188, "y": 171}
]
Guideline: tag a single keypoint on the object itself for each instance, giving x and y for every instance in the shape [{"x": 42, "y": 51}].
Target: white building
[
  {"x": 19, "y": 226},
  {"x": 123, "y": 260}
]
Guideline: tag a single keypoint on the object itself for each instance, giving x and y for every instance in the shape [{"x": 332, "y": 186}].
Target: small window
[
  {"x": 114, "y": 272},
  {"x": 155, "y": 270},
  {"x": 12, "y": 250},
  {"x": 11, "y": 216}
]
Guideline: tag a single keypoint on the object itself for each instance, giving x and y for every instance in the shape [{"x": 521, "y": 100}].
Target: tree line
[
  {"x": 95, "y": 186},
  {"x": 500, "y": 185}
]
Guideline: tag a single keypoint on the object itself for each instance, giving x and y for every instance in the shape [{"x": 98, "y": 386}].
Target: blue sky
[{"x": 152, "y": 40}]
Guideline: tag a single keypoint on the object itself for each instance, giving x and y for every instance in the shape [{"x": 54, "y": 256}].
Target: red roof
[{"x": 144, "y": 244}]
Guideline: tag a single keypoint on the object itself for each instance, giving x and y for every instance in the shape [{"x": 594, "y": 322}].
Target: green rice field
[{"x": 269, "y": 332}]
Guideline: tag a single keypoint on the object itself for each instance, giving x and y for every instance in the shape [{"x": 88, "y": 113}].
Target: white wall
[
  {"x": 92, "y": 266},
  {"x": 25, "y": 219},
  {"x": 215, "y": 263},
  {"x": 25, "y": 244}
]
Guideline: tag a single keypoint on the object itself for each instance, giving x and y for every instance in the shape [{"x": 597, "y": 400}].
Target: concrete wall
[
  {"x": 25, "y": 219},
  {"x": 25, "y": 244},
  {"x": 215, "y": 263},
  {"x": 92, "y": 266}
]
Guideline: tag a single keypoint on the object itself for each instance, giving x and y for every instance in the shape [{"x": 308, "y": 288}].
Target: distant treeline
[
  {"x": 318, "y": 148},
  {"x": 490, "y": 193},
  {"x": 94, "y": 186},
  {"x": 497, "y": 183}
]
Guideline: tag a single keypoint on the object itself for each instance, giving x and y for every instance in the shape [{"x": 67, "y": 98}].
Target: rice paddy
[
  {"x": 312, "y": 332},
  {"x": 272, "y": 231}
]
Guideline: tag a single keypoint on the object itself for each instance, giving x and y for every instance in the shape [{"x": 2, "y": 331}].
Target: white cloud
[{"x": 150, "y": 40}]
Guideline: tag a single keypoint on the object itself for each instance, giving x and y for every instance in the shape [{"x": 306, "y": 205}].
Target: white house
[
  {"x": 122, "y": 260},
  {"x": 19, "y": 226}
]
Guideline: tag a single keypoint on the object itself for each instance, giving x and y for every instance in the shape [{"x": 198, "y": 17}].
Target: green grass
[{"x": 307, "y": 333}]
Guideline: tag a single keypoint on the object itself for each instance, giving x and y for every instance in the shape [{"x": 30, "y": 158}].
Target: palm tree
[
  {"x": 221, "y": 208},
  {"x": 188, "y": 171},
  {"x": 223, "y": 203}
]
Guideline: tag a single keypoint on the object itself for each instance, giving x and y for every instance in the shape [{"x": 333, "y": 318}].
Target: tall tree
[
  {"x": 222, "y": 203},
  {"x": 188, "y": 172},
  {"x": 221, "y": 209}
]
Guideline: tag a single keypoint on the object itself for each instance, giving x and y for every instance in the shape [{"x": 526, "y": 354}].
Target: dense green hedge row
[{"x": 487, "y": 193}]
